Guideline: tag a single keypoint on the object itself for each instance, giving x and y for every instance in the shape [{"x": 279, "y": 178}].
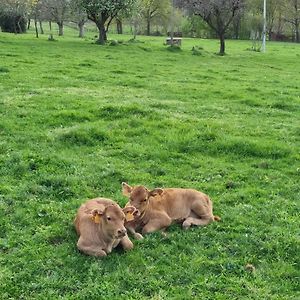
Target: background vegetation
[
  {"x": 156, "y": 17},
  {"x": 78, "y": 119}
]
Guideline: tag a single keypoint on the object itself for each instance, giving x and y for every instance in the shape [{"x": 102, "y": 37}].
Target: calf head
[
  {"x": 111, "y": 220},
  {"x": 139, "y": 195}
]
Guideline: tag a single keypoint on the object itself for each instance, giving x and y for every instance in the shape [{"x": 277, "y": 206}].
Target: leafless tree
[
  {"x": 58, "y": 10},
  {"x": 218, "y": 14},
  {"x": 292, "y": 16},
  {"x": 78, "y": 16}
]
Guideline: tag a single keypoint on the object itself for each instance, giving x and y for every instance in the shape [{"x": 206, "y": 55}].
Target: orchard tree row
[{"x": 240, "y": 19}]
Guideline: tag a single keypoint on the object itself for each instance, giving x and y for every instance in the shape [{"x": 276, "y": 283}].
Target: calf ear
[
  {"x": 96, "y": 215},
  {"x": 126, "y": 189},
  {"x": 130, "y": 213},
  {"x": 131, "y": 209},
  {"x": 157, "y": 191}
]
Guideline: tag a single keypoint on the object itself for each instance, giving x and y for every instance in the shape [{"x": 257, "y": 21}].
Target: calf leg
[
  {"x": 156, "y": 224},
  {"x": 136, "y": 235},
  {"x": 201, "y": 214},
  {"x": 126, "y": 243},
  {"x": 90, "y": 250},
  {"x": 195, "y": 221}
]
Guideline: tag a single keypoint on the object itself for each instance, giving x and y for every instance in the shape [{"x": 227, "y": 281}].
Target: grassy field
[{"x": 77, "y": 119}]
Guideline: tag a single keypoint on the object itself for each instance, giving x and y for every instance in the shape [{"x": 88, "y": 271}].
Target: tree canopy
[{"x": 102, "y": 12}]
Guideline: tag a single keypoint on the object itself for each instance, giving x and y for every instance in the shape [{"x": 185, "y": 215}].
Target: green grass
[{"x": 77, "y": 119}]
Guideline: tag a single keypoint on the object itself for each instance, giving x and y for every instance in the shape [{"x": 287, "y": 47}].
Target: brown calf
[
  {"x": 100, "y": 225},
  {"x": 160, "y": 208}
]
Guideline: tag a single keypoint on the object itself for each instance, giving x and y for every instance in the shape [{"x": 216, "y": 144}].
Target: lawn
[{"x": 77, "y": 119}]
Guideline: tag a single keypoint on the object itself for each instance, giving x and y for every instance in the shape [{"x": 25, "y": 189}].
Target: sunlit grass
[{"x": 77, "y": 119}]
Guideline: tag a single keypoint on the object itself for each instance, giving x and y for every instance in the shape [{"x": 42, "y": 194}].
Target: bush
[
  {"x": 174, "y": 48},
  {"x": 4, "y": 70},
  {"x": 195, "y": 27},
  {"x": 196, "y": 50},
  {"x": 113, "y": 43},
  {"x": 13, "y": 23}
]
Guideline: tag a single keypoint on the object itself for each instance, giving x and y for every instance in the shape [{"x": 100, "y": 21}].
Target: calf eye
[
  {"x": 108, "y": 218},
  {"x": 145, "y": 200}
]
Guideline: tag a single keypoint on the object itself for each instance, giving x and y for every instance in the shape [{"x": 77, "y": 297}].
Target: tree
[
  {"x": 218, "y": 14},
  {"x": 35, "y": 12},
  {"x": 293, "y": 17},
  {"x": 135, "y": 18},
  {"x": 102, "y": 12},
  {"x": 119, "y": 25},
  {"x": 78, "y": 16},
  {"x": 274, "y": 11},
  {"x": 58, "y": 10},
  {"x": 151, "y": 9}
]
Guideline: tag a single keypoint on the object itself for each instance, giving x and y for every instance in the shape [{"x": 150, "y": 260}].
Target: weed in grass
[
  {"x": 113, "y": 43},
  {"x": 135, "y": 41},
  {"x": 283, "y": 106},
  {"x": 86, "y": 64},
  {"x": 197, "y": 50},
  {"x": 4, "y": 70},
  {"x": 82, "y": 136},
  {"x": 174, "y": 48},
  {"x": 146, "y": 49},
  {"x": 110, "y": 112}
]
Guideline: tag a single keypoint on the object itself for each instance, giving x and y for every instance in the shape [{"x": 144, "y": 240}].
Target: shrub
[
  {"x": 13, "y": 23},
  {"x": 4, "y": 70},
  {"x": 197, "y": 50},
  {"x": 113, "y": 43},
  {"x": 174, "y": 48}
]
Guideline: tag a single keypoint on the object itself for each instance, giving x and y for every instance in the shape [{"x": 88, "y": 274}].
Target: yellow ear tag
[
  {"x": 96, "y": 218},
  {"x": 129, "y": 216}
]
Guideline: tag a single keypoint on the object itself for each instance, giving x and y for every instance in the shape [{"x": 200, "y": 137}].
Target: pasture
[{"x": 77, "y": 119}]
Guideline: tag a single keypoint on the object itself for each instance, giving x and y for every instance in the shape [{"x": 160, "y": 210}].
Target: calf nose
[{"x": 122, "y": 232}]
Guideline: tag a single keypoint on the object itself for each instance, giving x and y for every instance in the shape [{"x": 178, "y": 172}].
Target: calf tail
[{"x": 217, "y": 218}]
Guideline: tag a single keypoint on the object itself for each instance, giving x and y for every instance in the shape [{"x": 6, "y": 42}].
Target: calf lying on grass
[
  {"x": 159, "y": 208},
  {"x": 100, "y": 225}
]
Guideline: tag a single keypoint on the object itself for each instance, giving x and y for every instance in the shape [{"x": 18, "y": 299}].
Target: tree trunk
[
  {"x": 119, "y": 26},
  {"x": 60, "y": 28},
  {"x": 81, "y": 29},
  {"x": 102, "y": 32},
  {"x": 28, "y": 24},
  {"x": 15, "y": 25},
  {"x": 36, "y": 29},
  {"x": 236, "y": 28},
  {"x": 279, "y": 24},
  {"x": 134, "y": 31},
  {"x": 50, "y": 26},
  {"x": 222, "y": 43},
  {"x": 270, "y": 34},
  {"x": 19, "y": 29},
  {"x": 41, "y": 27},
  {"x": 148, "y": 26},
  {"x": 297, "y": 25}
]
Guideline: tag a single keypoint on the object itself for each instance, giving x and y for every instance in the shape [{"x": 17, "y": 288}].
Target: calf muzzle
[{"x": 121, "y": 232}]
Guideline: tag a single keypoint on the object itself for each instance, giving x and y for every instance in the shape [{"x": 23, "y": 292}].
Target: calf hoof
[
  {"x": 128, "y": 246},
  {"x": 100, "y": 253},
  {"x": 186, "y": 224},
  {"x": 138, "y": 236},
  {"x": 126, "y": 243}
]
